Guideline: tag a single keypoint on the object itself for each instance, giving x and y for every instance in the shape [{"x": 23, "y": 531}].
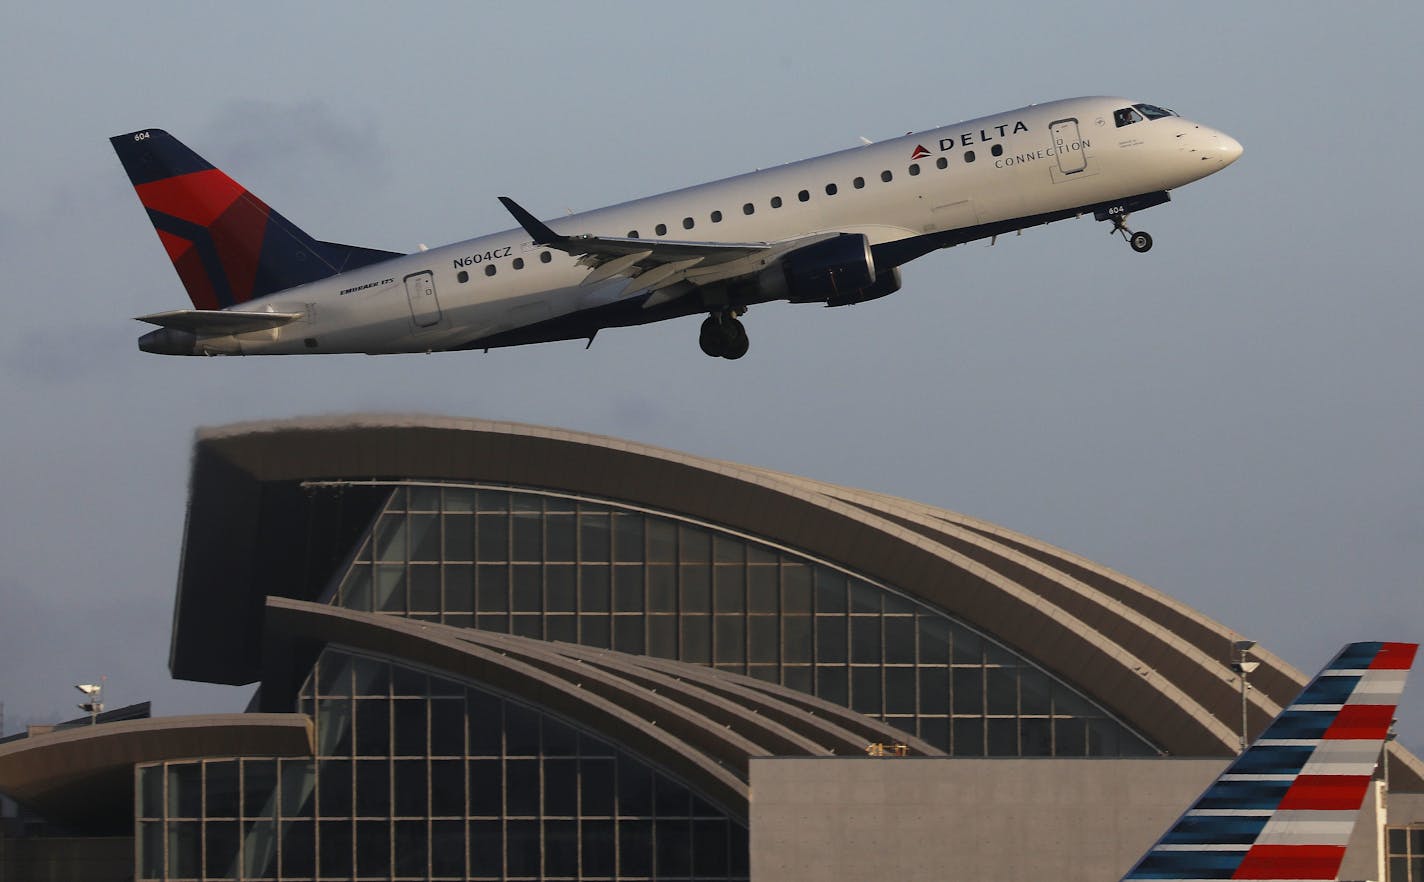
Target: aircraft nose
[{"x": 1228, "y": 149}]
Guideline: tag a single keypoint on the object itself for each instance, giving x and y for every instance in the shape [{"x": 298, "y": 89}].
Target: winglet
[{"x": 536, "y": 228}]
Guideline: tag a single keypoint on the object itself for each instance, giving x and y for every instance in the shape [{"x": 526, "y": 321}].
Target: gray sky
[{"x": 1234, "y": 418}]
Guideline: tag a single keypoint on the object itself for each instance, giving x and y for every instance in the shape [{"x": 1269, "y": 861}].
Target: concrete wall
[{"x": 986, "y": 820}]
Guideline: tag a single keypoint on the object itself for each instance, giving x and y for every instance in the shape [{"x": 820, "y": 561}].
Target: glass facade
[
  {"x": 1406, "y": 854},
  {"x": 554, "y": 567},
  {"x": 422, "y": 777}
]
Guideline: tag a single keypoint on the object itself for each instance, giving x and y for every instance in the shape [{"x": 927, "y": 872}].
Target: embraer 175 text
[{"x": 831, "y": 230}]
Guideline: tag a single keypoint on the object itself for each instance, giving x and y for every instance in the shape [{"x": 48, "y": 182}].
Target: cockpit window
[
  {"x": 1152, "y": 111},
  {"x": 1126, "y": 117}
]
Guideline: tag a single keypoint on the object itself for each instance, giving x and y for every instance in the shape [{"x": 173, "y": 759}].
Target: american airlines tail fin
[
  {"x": 227, "y": 245},
  {"x": 1284, "y": 810}
]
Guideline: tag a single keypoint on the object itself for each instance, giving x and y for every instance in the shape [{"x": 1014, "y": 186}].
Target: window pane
[
  {"x": 628, "y": 589},
  {"x": 968, "y": 691},
  {"x": 560, "y": 588},
  {"x": 486, "y": 787},
  {"x": 486, "y": 849},
  {"x": 596, "y": 786},
  {"x": 762, "y": 639},
  {"x": 696, "y": 588},
  {"x": 492, "y": 532},
  {"x": 899, "y": 639},
  {"x": 594, "y": 538},
  {"x": 628, "y": 537},
  {"x": 459, "y": 537},
  {"x": 594, "y": 588},
  {"x": 795, "y": 588},
  {"x": 729, "y": 594},
  {"x": 934, "y": 690},
  {"x": 865, "y": 639},
  {"x": 730, "y": 634},
  {"x": 521, "y": 787},
  {"x": 528, "y": 530},
  {"x": 298, "y": 848},
  {"x": 797, "y": 646},
  {"x": 762, "y": 584},
  {"x": 900, "y": 690},
  {"x": 559, "y": 536},
  {"x": 373, "y": 848},
  {"x": 373, "y": 788},
  {"x": 662, "y": 540},
  {"x": 221, "y": 845},
  {"x": 221, "y": 789},
  {"x": 865, "y": 690}
]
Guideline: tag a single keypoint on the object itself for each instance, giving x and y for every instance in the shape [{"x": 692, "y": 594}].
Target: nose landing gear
[
  {"x": 722, "y": 336},
  {"x": 1139, "y": 241}
]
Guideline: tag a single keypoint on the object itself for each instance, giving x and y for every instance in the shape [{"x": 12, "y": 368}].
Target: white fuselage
[{"x": 1032, "y": 161}]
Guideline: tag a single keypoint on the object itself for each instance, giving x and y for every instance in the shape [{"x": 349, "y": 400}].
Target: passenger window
[
  {"x": 687, "y": 223},
  {"x": 489, "y": 269},
  {"x": 1126, "y": 117},
  {"x": 886, "y": 176},
  {"x": 748, "y": 208},
  {"x": 462, "y": 277},
  {"x": 776, "y": 202},
  {"x": 804, "y": 196},
  {"x": 997, "y": 150},
  {"x": 660, "y": 229},
  {"x": 632, "y": 234},
  {"x": 941, "y": 163},
  {"x": 519, "y": 263},
  {"x": 969, "y": 156},
  {"x": 914, "y": 169},
  {"x": 716, "y": 217},
  {"x": 859, "y": 183},
  {"x": 831, "y": 189},
  {"x": 545, "y": 257}
]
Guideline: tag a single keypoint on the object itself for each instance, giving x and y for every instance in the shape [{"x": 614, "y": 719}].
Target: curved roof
[
  {"x": 1154, "y": 662},
  {"x": 84, "y": 776},
  {"x": 703, "y": 725}
]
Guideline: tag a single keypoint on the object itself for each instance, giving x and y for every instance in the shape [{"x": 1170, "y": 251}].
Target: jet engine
[
  {"x": 886, "y": 282},
  {"x": 830, "y": 270},
  {"x": 836, "y": 272}
]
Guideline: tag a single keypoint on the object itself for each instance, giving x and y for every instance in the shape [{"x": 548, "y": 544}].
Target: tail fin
[
  {"x": 227, "y": 245},
  {"x": 1285, "y": 809}
]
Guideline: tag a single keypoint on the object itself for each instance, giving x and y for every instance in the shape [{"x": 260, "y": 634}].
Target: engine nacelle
[
  {"x": 886, "y": 282},
  {"x": 830, "y": 270}
]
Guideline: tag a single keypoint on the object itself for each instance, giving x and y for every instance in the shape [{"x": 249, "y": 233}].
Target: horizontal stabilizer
[{"x": 217, "y": 322}]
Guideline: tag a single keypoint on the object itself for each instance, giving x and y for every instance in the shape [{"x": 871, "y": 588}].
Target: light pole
[
  {"x": 94, "y": 706},
  {"x": 1389, "y": 736},
  {"x": 1243, "y": 667}
]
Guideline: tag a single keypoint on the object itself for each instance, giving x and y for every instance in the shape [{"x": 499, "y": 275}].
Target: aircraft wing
[
  {"x": 659, "y": 263},
  {"x": 218, "y": 322}
]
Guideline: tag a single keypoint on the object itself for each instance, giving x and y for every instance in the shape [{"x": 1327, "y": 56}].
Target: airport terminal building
[{"x": 496, "y": 651}]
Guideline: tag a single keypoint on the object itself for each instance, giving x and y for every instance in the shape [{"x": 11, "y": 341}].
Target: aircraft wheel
[
  {"x": 712, "y": 338},
  {"x": 738, "y": 345},
  {"x": 1140, "y": 242}
]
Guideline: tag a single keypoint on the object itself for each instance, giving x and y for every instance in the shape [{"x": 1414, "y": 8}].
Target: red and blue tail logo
[
  {"x": 227, "y": 245},
  {"x": 1285, "y": 809}
]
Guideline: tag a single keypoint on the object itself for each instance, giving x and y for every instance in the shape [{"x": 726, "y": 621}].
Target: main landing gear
[
  {"x": 1139, "y": 241},
  {"x": 723, "y": 336}
]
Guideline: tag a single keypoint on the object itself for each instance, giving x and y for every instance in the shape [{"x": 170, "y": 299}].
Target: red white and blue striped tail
[{"x": 1284, "y": 810}]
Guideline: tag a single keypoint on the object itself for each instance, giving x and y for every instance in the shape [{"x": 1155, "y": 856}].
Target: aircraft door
[
  {"x": 420, "y": 291},
  {"x": 1068, "y": 146}
]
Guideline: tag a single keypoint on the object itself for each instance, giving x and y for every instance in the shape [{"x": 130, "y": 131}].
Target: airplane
[
  {"x": 833, "y": 230},
  {"x": 1285, "y": 808}
]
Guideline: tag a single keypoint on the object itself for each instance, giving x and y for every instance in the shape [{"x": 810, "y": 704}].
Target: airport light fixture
[
  {"x": 1243, "y": 666},
  {"x": 94, "y": 706}
]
